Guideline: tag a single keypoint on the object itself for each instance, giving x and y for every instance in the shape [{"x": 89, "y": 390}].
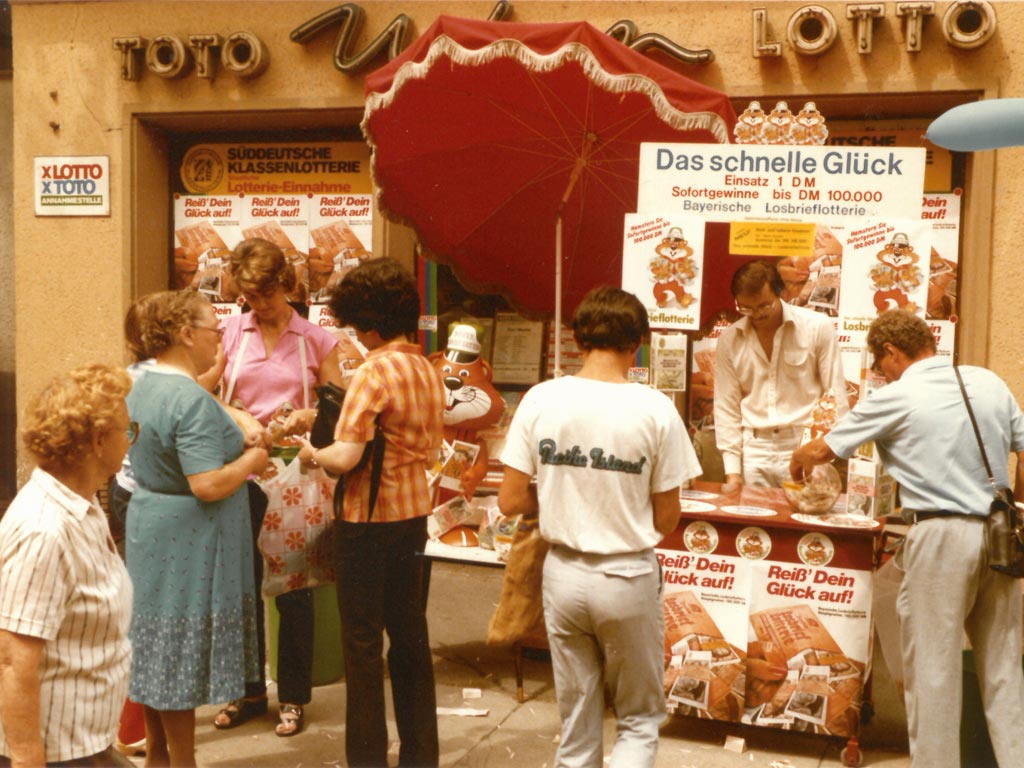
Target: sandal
[
  {"x": 291, "y": 720},
  {"x": 240, "y": 711}
]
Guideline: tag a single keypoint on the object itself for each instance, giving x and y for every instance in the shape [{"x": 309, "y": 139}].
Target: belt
[
  {"x": 768, "y": 433},
  {"x": 918, "y": 517}
]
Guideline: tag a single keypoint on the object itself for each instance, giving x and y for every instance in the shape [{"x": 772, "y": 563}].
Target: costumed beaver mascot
[{"x": 471, "y": 401}]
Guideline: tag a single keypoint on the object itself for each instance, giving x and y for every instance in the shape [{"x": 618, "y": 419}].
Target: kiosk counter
[{"x": 768, "y": 612}]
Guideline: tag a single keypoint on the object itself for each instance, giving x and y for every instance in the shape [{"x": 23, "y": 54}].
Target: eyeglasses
[
  {"x": 218, "y": 330},
  {"x": 876, "y": 366},
  {"x": 760, "y": 309},
  {"x": 132, "y": 431}
]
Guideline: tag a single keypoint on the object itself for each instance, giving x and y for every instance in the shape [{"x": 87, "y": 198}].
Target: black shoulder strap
[
  {"x": 376, "y": 464},
  {"x": 974, "y": 423}
]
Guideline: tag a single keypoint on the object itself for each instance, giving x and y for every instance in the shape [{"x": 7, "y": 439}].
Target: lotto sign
[{"x": 72, "y": 186}]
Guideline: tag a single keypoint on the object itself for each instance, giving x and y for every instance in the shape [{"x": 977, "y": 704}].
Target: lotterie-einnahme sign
[{"x": 72, "y": 185}]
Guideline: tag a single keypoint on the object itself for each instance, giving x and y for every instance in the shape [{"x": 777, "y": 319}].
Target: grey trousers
[
  {"x": 603, "y": 615},
  {"x": 948, "y": 588}
]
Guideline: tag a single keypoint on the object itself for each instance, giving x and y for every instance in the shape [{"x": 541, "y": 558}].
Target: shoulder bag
[
  {"x": 519, "y": 616},
  {"x": 330, "y": 398},
  {"x": 1004, "y": 526},
  {"x": 328, "y": 409}
]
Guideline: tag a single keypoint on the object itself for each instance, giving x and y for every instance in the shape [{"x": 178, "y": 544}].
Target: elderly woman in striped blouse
[{"x": 65, "y": 596}]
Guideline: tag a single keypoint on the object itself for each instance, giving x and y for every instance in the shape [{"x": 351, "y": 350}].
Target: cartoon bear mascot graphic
[
  {"x": 672, "y": 269},
  {"x": 809, "y": 126},
  {"x": 895, "y": 274},
  {"x": 471, "y": 400},
  {"x": 750, "y": 125},
  {"x": 778, "y": 125}
]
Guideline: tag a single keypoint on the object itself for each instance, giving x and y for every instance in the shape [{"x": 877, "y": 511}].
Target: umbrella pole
[
  {"x": 589, "y": 140},
  {"x": 558, "y": 295}
]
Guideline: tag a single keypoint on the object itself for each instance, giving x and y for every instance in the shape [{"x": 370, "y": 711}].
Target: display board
[
  {"x": 849, "y": 225},
  {"x": 311, "y": 199},
  {"x": 767, "y": 614}
]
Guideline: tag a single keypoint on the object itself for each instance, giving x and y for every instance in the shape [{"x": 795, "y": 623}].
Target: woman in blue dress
[{"x": 188, "y": 541}]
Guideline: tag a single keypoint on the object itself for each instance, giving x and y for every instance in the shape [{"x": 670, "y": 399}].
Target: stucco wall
[{"x": 73, "y": 276}]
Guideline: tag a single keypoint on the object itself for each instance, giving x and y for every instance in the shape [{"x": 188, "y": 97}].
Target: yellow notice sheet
[{"x": 771, "y": 238}]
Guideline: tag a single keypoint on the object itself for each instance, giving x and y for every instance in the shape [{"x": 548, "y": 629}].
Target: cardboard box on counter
[{"x": 870, "y": 490}]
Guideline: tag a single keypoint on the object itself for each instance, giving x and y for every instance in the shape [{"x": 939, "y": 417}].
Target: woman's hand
[
  {"x": 306, "y": 453},
  {"x": 336, "y": 459},
  {"x": 258, "y": 456},
  {"x": 254, "y": 434},
  {"x": 300, "y": 421}
]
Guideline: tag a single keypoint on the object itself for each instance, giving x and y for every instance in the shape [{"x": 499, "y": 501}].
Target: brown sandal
[{"x": 292, "y": 720}]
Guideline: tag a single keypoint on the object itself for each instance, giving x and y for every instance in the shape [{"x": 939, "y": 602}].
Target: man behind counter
[{"x": 771, "y": 367}]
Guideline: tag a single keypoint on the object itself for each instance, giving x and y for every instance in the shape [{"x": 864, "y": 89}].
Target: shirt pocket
[{"x": 795, "y": 358}]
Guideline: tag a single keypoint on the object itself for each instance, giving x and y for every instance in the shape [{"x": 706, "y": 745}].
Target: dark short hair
[
  {"x": 610, "y": 318},
  {"x": 904, "y": 330},
  {"x": 378, "y": 295},
  {"x": 755, "y": 275}
]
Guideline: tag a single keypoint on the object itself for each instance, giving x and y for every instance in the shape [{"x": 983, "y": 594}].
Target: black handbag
[
  {"x": 328, "y": 408},
  {"x": 330, "y": 398},
  {"x": 373, "y": 453},
  {"x": 1004, "y": 526}
]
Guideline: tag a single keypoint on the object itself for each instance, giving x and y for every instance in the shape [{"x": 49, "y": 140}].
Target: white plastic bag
[{"x": 296, "y": 535}]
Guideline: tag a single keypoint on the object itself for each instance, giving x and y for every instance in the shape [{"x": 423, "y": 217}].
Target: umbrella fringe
[{"x": 444, "y": 46}]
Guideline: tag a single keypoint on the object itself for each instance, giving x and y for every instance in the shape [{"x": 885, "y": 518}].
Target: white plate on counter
[
  {"x": 748, "y": 510},
  {"x": 837, "y": 520},
  {"x": 688, "y": 505},
  {"x": 700, "y": 495}
]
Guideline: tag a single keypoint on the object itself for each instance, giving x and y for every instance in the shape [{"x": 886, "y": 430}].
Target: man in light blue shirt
[{"x": 923, "y": 433}]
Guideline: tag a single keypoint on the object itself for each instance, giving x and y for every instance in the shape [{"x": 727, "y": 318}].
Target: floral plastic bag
[{"x": 296, "y": 536}]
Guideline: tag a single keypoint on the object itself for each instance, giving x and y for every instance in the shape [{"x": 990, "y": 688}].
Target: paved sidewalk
[{"x": 512, "y": 734}]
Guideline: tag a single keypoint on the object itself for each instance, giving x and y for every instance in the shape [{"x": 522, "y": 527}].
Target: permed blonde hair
[
  {"x": 258, "y": 265},
  {"x": 62, "y": 420},
  {"x": 164, "y": 315}
]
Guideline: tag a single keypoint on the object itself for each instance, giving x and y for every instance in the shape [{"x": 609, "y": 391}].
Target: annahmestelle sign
[{"x": 72, "y": 185}]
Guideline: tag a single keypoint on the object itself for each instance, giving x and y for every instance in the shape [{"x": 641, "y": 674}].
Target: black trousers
[
  {"x": 379, "y": 569},
  {"x": 295, "y": 631}
]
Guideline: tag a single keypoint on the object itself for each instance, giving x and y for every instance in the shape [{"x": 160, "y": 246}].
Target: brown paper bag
[{"x": 519, "y": 617}]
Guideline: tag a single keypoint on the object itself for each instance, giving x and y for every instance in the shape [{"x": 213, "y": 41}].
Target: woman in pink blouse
[{"x": 273, "y": 361}]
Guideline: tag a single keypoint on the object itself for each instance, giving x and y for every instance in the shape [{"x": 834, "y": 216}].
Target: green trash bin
[
  {"x": 328, "y": 660},
  {"x": 975, "y": 745}
]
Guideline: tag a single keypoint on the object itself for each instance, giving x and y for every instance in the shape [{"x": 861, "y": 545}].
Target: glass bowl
[{"x": 817, "y": 494}]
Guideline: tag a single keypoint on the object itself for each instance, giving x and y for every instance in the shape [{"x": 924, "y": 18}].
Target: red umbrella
[{"x": 512, "y": 149}]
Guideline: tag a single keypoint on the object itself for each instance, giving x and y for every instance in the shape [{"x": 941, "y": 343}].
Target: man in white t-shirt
[{"x": 609, "y": 457}]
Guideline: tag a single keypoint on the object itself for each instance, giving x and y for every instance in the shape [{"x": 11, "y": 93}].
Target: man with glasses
[
  {"x": 772, "y": 365},
  {"x": 920, "y": 425}
]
